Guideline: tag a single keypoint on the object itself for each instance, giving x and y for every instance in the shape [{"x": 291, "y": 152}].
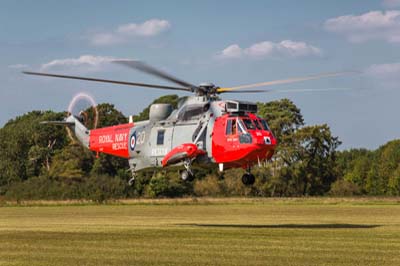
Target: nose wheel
[
  {"x": 248, "y": 179},
  {"x": 187, "y": 174}
]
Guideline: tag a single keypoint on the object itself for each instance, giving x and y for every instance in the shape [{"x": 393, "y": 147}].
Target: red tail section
[{"x": 111, "y": 140}]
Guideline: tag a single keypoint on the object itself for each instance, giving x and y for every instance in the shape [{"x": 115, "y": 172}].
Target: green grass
[{"x": 204, "y": 232}]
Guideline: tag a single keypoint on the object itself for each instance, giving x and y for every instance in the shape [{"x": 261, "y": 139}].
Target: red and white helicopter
[{"x": 204, "y": 130}]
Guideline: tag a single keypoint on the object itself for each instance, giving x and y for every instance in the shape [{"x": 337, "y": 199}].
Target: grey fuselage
[{"x": 192, "y": 122}]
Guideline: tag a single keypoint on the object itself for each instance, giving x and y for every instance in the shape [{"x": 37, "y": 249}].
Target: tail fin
[{"x": 80, "y": 131}]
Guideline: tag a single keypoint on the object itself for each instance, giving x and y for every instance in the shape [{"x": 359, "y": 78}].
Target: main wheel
[
  {"x": 252, "y": 179},
  {"x": 186, "y": 176},
  {"x": 248, "y": 179}
]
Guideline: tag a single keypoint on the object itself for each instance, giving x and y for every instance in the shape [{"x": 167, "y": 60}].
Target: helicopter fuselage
[{"x": 227, "y": 133}]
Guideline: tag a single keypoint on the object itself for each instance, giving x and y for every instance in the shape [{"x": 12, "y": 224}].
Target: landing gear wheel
[
  {"x": 131, "y": 181},
  {"x": 186, "y": 175},
  {"x": 248, "y": 179}
]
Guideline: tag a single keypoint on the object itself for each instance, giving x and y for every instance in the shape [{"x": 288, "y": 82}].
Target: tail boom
[{"x": 111, "y": 140}]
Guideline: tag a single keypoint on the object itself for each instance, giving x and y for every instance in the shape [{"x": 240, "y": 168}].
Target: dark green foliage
[
  {"x": 283, "y": 116},
  {"x": 26, "y": 147},
  {"x": 344, "y": 188},
  {"x": 374, "y": 172},
  {"x": 304, "y": 163},
  {"x": 107, "y": 116},
  {"x": 96, "y": 188},
  {"x": 102, "y": 188},
  {"x": 314, "y": 157},
  {"x": 41, "y": 162},
  {"x": 164, "y": 184},
  {"x": 74, "y": 161}
]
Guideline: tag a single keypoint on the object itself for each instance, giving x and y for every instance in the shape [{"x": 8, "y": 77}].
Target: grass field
[{"x": 203, "y": 232}]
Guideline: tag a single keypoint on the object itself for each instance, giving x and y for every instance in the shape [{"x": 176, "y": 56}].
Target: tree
[
  {"x": 304, "y": 161},
  {"x": 26, "y": 146},
  {"x": 353, "y": 165},
  {"x": 283, "y": 117},
  {"x": 73, "y": 162},
  {"x": 107, "y": 114},
  {"x": 316, "y": 158}
]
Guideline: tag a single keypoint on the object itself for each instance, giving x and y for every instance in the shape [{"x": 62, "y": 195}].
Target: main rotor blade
[
  {"x": 141, "y": 66},
  {"x": 290, "y": 90},
  {"x": 284, "y": 81},
  {"x": 247, "y": 91},
  {"x": 107, "y": 81}
]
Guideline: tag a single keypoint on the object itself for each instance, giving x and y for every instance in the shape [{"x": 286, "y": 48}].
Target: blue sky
[{"x": 227, "y": 42}]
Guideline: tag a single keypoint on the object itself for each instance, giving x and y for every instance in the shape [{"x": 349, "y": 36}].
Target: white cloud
[
  {"x": 18, "y": 66},
  {"x": 260, "y": 49},
  {"x": 295, "y": 49},
  {"x": 87, "y": 63},
  {"x": 148, "y": 28},
  {"x": 384, "y": 71},
  {"x": 374, "y": 25},
  {"x": 232, "y": 51},
  {"x": 286, "y": 48},
  {"x": 385, "y": 75},
  {"x": 127, "y": 32},
  {"x": 391, "y": 3}
]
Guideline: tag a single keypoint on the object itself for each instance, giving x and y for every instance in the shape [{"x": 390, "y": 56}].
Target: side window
[
  {"x": 231, "y": 127},
  {"x": 160, "y": 137},
  {"x": 192, "y": 112},
  {"x": 264, "y": 124},
  {"x": 228, "y": 127}
]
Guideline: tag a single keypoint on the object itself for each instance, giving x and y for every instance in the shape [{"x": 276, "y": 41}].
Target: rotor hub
[
  {"x": 206, "y": 88},
  {"x": 206, "y": 85}
]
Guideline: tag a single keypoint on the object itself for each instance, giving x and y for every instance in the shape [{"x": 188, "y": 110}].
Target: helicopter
[{"x": 203, "y": 131}]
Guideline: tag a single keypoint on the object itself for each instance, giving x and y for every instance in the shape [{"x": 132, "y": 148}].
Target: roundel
[{"x": 133, "y": 141}]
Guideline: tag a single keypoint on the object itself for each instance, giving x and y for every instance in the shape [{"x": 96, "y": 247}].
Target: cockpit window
[
  {"x": 231, "y": 127},
  {"x": 241, "y": 126},
  {"x": 249, "y": 124},
  {"x": 258, "y": 124},
  {"x": 264, "y": 124}
]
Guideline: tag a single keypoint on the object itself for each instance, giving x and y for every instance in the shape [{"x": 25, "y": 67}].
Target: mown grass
[{"x": 204, "y": 232}]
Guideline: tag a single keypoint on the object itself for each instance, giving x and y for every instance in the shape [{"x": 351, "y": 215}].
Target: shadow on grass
[{"x": 289, "y": 226}]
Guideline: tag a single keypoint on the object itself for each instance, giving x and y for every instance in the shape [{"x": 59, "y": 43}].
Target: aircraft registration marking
[
  {"x": 159, "y": 151},
  {"x": 141, "y": 137}
]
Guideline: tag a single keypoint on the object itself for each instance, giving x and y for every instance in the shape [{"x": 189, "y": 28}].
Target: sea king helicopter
[{"x": 203, "y": 131}]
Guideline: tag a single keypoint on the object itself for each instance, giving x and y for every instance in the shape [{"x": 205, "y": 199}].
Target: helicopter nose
[{"x": 266, "y": 140}]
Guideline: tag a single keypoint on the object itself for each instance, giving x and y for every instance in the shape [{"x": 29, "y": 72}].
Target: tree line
[{"x": 43, "y": 162}]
